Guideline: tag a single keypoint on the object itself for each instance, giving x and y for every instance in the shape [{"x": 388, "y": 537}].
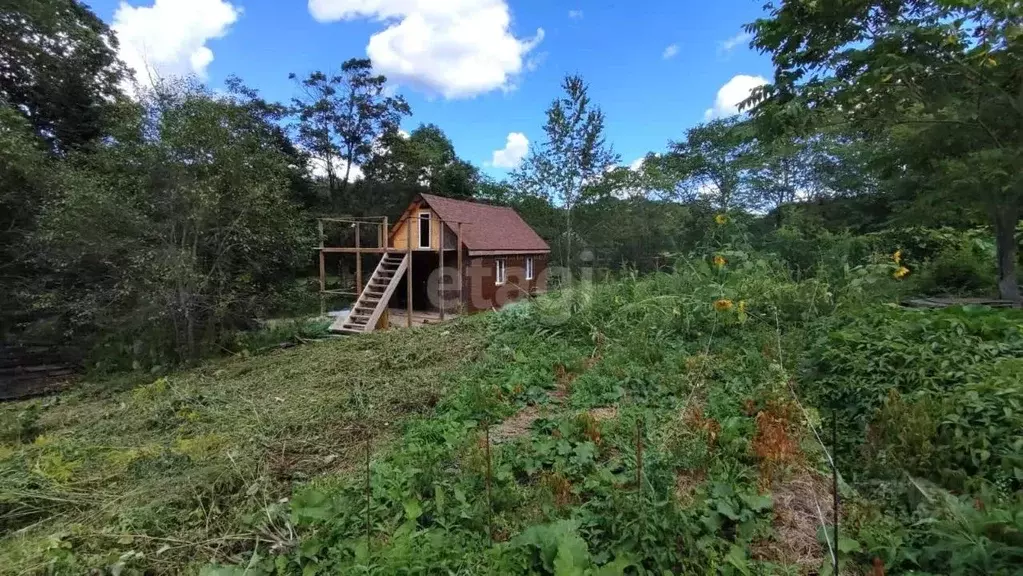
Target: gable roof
[{"x": 487, "y": 228}]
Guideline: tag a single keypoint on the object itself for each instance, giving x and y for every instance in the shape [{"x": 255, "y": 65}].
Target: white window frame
[
  {"x": 429, "y": 229},
  {"x": 529, "y": 267},
  {"x": 501, "y": 269}
]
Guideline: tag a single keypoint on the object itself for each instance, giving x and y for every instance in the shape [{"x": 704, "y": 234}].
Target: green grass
[
  {"x": 256, "y": 465},
  {"x": 175, "y": 472}
]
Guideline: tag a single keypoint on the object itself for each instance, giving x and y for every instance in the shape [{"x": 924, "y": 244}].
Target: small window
[
  {"x": 424, "y": 229},
  {"x": 502, "y": 271},
  {"x": 529, "y": 268}
]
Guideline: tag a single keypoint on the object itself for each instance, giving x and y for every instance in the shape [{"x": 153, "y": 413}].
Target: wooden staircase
[{"x": 374, "y": 298}]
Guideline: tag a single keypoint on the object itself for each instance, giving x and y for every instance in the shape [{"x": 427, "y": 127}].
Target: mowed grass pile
[{"x": 167, "y": 475}]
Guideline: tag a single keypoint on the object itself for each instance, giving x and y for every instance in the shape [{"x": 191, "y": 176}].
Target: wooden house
[{"x": 447, "y": 256}]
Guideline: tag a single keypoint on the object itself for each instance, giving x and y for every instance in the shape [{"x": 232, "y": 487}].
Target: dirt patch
[
  {"x": 604, "y": 413},
  {"x": 796, "y": 521},
  {"x": 686, "y": 484},
  {"x": 515, "y": 426}
]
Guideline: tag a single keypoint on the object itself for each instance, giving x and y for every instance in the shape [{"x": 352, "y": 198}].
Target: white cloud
[
  {"x": 169, "y": 38},
  {"x": 515, "y": 149},
  {"x": 575, "y": 14},
  {"x": 731, "y": 94},
  {"x": 637, "y": 164},
  {"x": 670, "y": 52},
  {"x": 457, "y": 48},
  {"x": 734, "y": 41},
  {"x": 318, "y": 168}
]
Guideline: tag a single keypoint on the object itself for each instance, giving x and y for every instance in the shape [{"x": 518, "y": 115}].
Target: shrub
[
  {"x": 903, "y": 379},
  {"x": 959, "y": 271}
]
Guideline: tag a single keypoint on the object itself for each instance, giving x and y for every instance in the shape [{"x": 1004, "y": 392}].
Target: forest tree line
[{"x": 145, "y": 226}]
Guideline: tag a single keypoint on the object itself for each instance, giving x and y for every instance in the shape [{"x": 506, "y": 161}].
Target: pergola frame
[{"x": 383, "y": 247}]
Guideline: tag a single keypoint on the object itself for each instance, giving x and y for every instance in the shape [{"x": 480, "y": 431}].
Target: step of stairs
[{"x": 375, "y": 295}]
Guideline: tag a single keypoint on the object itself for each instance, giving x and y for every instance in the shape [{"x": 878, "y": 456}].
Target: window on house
[
  {"x": 424, "y": 229},
  {"x": 529, "y": 268},
  {"x": 502, "y": 270}
]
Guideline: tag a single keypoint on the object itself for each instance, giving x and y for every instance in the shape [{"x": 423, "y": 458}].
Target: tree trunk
[
  {"x": 568, "y": 236},
  {"x": 1005, "y": 243}
]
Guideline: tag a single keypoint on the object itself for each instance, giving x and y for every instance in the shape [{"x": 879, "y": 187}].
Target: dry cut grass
[{"x": 193, "y": 467}]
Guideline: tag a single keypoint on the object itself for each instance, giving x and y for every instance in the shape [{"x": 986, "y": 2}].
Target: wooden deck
[{"x": 399, "y": 318}]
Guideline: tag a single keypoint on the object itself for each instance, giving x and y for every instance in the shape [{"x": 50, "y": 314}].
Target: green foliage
[
  {"x": 931, "y": 82},
  {"x": 340, "y": 116},
  {"x": 935, "y": 391},
  {"x": 574, "y": 155},
  {"x": 959, "y": 272},
  {"x": 61, "y": 70},
  {"x": 166, "y": 242}
]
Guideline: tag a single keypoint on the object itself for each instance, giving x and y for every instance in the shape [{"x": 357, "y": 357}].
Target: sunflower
[
  {"x": 720, "y": 261},
  {"x": 897, "y": 257},
  {"x": 723, "y": 305},
  {"x": 721, "y": 219},
  {"x": 901, "y": 273}
]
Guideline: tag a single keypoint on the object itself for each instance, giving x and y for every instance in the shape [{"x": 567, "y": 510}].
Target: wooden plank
[
  {"x": 358, "y": 261},
  {"x": 323, "y": 271},
  {"x": 458, "y": 245},
  {"x": 381, "y": 303},
  {"x": 373, "y": 250},
  {"x": 408, "y": 272}
]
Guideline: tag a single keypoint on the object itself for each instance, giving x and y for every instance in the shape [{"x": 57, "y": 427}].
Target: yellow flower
[
  {"x": 719, "y": 260},
  {"x": 723, "y": 305},
  {"x": 897, "y": 256},
  {"x": 721, "y": 219},
  {"x": 901, "y": 273}
]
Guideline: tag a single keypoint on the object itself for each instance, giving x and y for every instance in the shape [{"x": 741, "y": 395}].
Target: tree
[
  {"x": 425, "y": 158},
  {"x": 176, "y": 232},
  {"x": 573, "y": 155},
  {"x": 939, "y": 79},
  {"x": 341, "y": 117},
  {"x": 59, "y": 68},
  {"x": 712, "y": 162}
]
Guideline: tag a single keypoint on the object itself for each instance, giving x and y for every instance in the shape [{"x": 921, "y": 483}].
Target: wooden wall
[
  {"x": 481, "y": 292},
  {"x": 401, "y": 235}
]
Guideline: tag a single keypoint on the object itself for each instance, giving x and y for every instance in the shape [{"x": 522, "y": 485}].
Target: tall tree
[
  {"x": 712, "y": 162},
  {"x": 342, "y": 116},
  {"x": 574, "y": 154},
  {"x": 59, "y": 68},
  {"x": 941, "y": 79},
  {"x": 426, "y": 158},
  {"x": 176, "y": 232}
]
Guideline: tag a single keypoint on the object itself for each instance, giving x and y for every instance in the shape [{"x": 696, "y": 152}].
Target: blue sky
[{"x": 480, "y": 69}]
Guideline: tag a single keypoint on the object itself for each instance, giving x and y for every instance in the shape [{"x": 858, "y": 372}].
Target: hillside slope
[{"x": 175, "y": 472}]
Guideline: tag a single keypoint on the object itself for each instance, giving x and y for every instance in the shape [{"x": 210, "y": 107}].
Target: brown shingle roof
[{"x": 487, "y": 228}]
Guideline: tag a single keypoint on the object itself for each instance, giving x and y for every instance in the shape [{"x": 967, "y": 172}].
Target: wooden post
[
  {"x": 440, "y": 289},
  {"x": 458, "y": 245},
  {"x": 386, "y": 232},
  {"x": 408, "y": 271},
  {"x": 323, "y": 271},
  {"x": 358, "y": 261}
]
